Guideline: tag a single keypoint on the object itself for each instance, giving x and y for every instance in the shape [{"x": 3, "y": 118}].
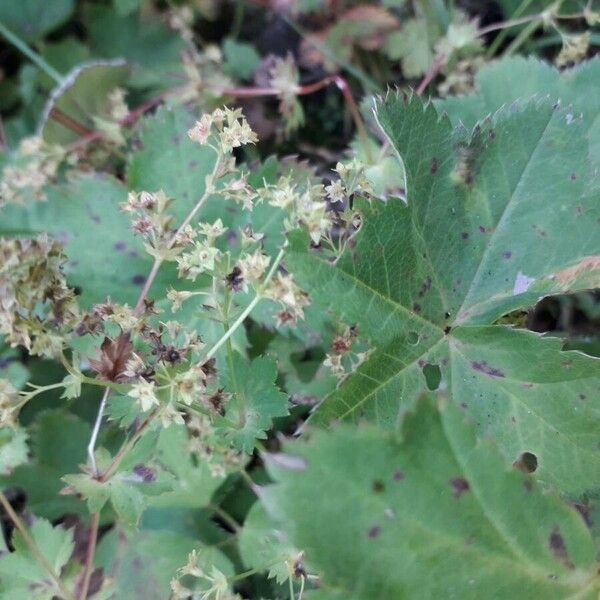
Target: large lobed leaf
[
  {"x": 493, "y": 221},
  {"x": 502, "y": 82},
  {"x": 435, "y": 514}
]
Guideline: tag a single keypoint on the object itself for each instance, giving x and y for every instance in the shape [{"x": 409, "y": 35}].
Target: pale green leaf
[
  {"x": 106, "y": 258},
  {"x": 53, "y": 454},
  {"x": 412, "y": 46},
  {"x": 502, "y": 82},
  {"x": 242, "y": 59},
  {"x": 193, "y": 484},
  {"x": 22, "y": 575},
  {"x": 255, "y": 401},
  {"x": 492, "y": 224},
  {"x": 264, "y": 545},
  {"x": 81, "y": 96},
  {"x": 433, "y": 513},
  {"x": 168, "y": 160},
  {"x": 32, "y": 19},
  {"x": 13, "y": 449}
]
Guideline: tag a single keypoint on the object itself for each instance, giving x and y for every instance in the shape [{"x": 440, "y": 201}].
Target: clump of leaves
[{"x": 192, "y": 307}]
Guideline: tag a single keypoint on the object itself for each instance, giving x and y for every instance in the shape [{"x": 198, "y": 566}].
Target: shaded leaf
[
  {"x": 435, "y": 514},
  {"x": 81, "y": 96},
  {"x": 32, "y": 19},
  {"x": 21, "y": 574}
]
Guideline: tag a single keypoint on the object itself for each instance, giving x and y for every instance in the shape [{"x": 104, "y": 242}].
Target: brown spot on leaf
[
  {"x": 138, "y": 279},
  {"x": 460, "y": 486},
  {"x": 378, "y": 486},
  {"x": 398, "y": 476},
  {"x": 588, "y": 267},
  {"x": 558, "y": 547},
  {"x": 374, "y": 531},
  {"x": 507, "y": 254},
  {"x": 434, "y": 166},
  {"x": 485, "y": 368},
  {"x": 527, "y": 462},
  {"x": 146, "y": 473}
]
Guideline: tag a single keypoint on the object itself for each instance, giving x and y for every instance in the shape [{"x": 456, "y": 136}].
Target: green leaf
[
  {"x": 256, "y": 400},
  {"x": 144, "y": 41},
  {"x": 193, "y": 483},
  {"x": 411, "y": 45},
  {"x": 143, "y": 563},
  {"x": 21, "y": 574},
  {"x": 32, "y": 19},
  {"x": 435, "y": 514},
  {"x": 126, "y": 7},
  {"x": 63, "y": 55},
  {"x": 264, "y": 546},
  {"x": 241, "y": 58},
  {"x": 502, "y": 82},
  {"x": 82, "y": 96},
  {"x": 106, "y": 258},
  {"x": 58, "y": 442},
  {"x": 170, "y": 161},
  {"x": 492, "y": 224}
]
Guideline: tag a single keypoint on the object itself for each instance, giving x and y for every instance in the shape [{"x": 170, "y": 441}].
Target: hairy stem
[{"x": 30, "y": 542}]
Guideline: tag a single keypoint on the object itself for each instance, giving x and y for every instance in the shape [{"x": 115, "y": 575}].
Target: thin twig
[
  {"x": 436, "y": 67},
  {"x": 248, "y": 309},
  {"x": 30, "y": 542},
  {"x": 188, "y": 219},
  {"x": 127, "y": 446},
  {"x": 94, "y": 437},
  {"x": 89, "y": 556},
  {"x": 34, "y": 57}
]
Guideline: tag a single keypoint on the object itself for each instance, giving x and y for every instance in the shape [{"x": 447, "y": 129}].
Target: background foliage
[{"x": 341, "y": 345}]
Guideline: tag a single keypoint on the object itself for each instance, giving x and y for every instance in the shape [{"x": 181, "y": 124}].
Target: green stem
[
  {"x": 34, "y": 57},
  {"x": 257, "y": 298},
  {"x": 502, "y": 35},
  {"x": 522, "y": 37},
  {"x": 37, "y": 553}
]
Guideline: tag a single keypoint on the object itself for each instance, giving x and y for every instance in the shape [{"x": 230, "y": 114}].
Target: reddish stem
[
  {"x": 436, "y": 67},
  {"x": 89, "y": 556}
]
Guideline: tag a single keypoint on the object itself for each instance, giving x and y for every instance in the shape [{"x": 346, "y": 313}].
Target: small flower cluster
[
  {"x": 34, "y": 166},
  {"x": 283, "y": 289},
  {"x": 227, "y": 125},
  {"x": 211, "y": 448},
  {"x": 110, "y": 126},
  {"x": 154, "y": 224},
  {"x": 305, "y": 206},
  {"x": 574, "y": 48},
  {"x": 284, "y": 78},
  {"x": 344, "y": 357},
  {"x": 10, "y": 403},
  {"x": 38, "y": 309},
  {"x": 352, "y": 180},
  {"x": 203, "y": 255},
  {"x": 203, "y": 582}
]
